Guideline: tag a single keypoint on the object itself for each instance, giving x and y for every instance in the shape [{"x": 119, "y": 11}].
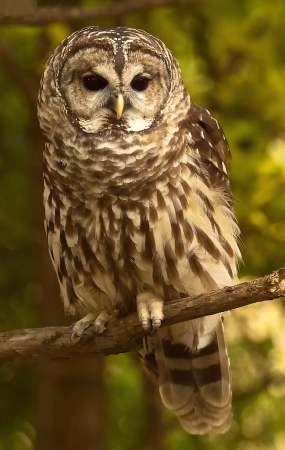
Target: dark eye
[
  {"x": 140, "y": 83},
  {"x": 94, "y": 82}
]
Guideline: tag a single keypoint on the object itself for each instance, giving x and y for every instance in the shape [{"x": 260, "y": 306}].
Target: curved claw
[{"x": 72, "y": 335}]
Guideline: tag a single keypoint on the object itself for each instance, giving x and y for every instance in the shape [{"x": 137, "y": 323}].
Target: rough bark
[{"x": 19, "y": 348}]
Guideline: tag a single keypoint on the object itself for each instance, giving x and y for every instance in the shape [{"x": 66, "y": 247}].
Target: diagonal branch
[
  {"x": 22, "y": 347},
  {"x": 58, "y": 14}
]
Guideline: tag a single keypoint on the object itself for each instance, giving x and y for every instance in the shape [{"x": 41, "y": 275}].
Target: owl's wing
[
  {"x": 208, "y": 140},
  {"x": 191, "y": 359}
]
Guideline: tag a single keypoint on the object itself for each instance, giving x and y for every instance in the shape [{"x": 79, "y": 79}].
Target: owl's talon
[
  {"x": 156, "y": 322},
  {"x": 150, "y": 312},
  {"x": 79, "y": 328},
  {"x": 146, "y": 324},
  {"x": 97, "y": 328},
  {"x": 98, "y": 323},
  {"x": 73, "y": 333}
]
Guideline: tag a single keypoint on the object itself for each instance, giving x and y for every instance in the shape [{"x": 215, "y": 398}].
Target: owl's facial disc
[{"x": 101, "y": 97}]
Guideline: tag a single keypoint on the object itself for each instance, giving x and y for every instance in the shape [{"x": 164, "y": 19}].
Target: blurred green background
[{"x": 232, "y": 56}]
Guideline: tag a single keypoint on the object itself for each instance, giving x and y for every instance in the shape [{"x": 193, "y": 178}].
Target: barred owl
[{"x": 138, "y": 207}]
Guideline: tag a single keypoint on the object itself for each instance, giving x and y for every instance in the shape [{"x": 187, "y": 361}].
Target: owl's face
[
  {"x": 106, "y": 88},
  {"x": 110, "y": 82}
]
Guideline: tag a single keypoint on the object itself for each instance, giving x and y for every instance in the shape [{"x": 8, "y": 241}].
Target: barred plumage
[{"x": 138, "y": 207}]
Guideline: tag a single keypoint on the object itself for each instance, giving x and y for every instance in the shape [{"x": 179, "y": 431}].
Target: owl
[{"x": 138, "y": 208}]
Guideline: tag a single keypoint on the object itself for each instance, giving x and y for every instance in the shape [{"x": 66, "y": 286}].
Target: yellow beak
[{"x": 119, "y": 106}]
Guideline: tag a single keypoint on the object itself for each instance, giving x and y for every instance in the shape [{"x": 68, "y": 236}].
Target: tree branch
[
  {"x": 22, "y": 347},
  {"x": 58, "y": 14}
]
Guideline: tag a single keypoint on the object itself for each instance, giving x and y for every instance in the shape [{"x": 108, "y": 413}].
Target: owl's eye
[
  {"x": 94, "y": 82},
  {"x": 140, "y": 83}
]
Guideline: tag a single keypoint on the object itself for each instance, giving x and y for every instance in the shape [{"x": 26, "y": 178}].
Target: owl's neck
[{"x": 122, "y": 165}]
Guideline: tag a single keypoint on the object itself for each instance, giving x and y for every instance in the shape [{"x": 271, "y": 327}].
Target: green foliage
[{"x": 232, "y": 56}]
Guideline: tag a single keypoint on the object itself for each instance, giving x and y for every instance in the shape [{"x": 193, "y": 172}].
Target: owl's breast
[
  {"x": 166, "y": 243},
  {"x": 176, "y": 238}
]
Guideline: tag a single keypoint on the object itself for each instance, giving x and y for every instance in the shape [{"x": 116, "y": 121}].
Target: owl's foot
[
  {"x": 150, "y": 311},
  {"x": 98, "y": 323}
]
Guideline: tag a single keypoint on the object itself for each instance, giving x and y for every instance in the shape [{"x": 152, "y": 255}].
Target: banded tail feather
[{"x": 194, "y": 382}]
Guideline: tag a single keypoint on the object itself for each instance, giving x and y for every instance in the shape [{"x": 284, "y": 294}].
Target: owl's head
[{"x": 117, "y": 78}]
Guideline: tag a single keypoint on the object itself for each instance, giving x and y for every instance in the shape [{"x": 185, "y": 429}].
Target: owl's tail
[{"x": 194, "y": 382}]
